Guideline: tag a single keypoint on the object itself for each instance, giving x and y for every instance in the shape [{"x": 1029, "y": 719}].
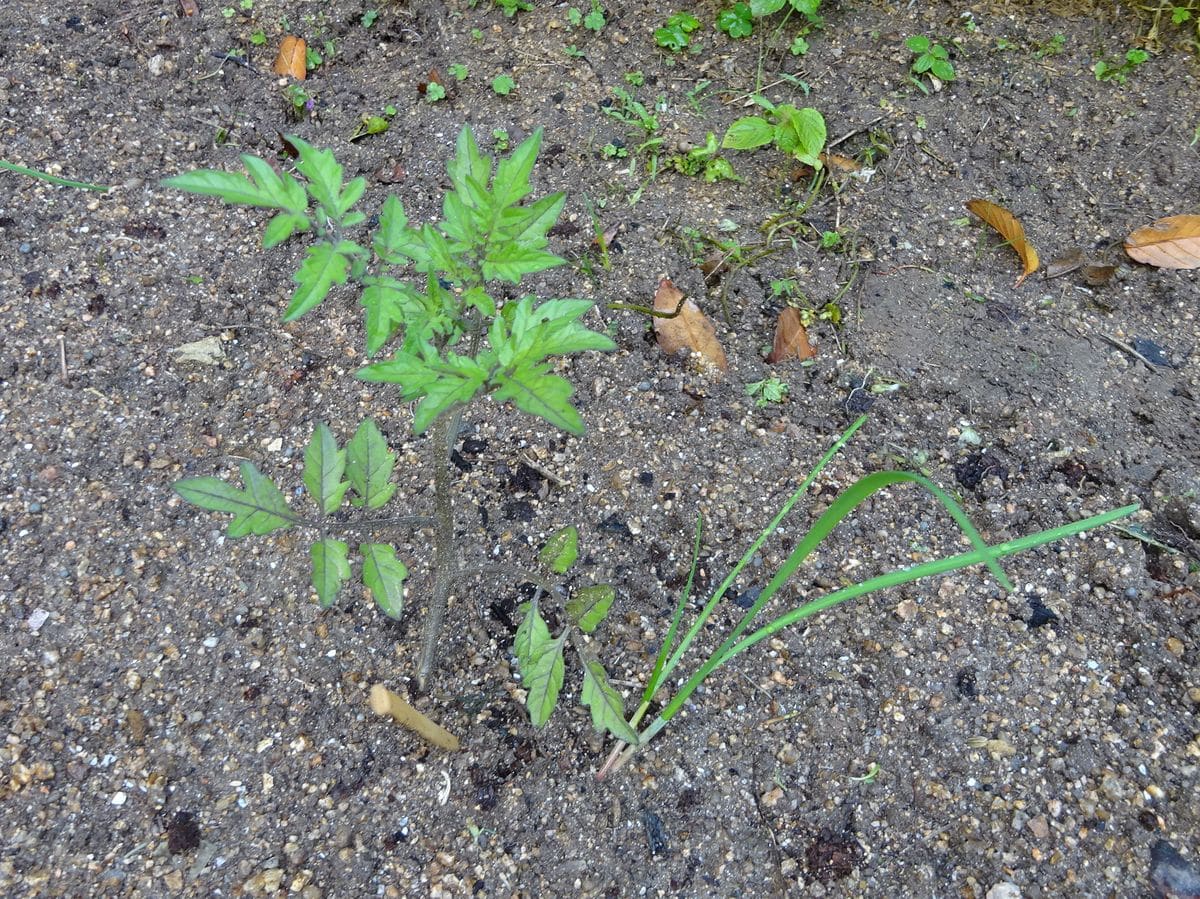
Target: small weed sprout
[
  {"x": 767, "y": 391},
  {"x": 503, "y": 85},
  {"x": 800, "y": 133},
  {"x": 676, "y": 34},
  {"x": 931, "y": 59},
  {"x": 1119, "y": 74}
]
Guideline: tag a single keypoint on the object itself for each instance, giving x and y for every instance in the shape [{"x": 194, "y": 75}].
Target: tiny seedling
[
  {"x": 300, "y": 103},
  {"x": 374, "y": 124},
  {"x": 1053, "y": 47},
  {"x": 767, "y": 391},
  {"x": 931, "y": 58},
  {"x": 369, "y": 18},
  {"x": 613, "y": 150},
  {"x": 512, "y": 7},
  {"x": 594, "y": 20},
  {"x": 629, "y": 110},
  {"x": 457, "y": 344},
  {"x": 873, "y": 771},
  {"x": 675, "y": 35},
  {"x": 736, "y": 21},
  {"x": 800, "y": 133},
  {"x": 434, "y": 91},
  {"x": 674, "y": 647},
  {"x": 503, "y": 85},
  {"x": 831, "y": 240},
  {"x": 540, "y": 656},
  {"x": 258, "y": 38},
  {"x": 500, "y": 140},
  {"x": 704, "y": 162},
  {"x": 1119, "y": 74},
  {"x": 635, "y": 79},
  {"x": 458, "y": 70}
]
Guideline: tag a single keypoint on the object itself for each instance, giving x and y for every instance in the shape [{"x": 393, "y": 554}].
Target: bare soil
[{"x": 181, "y": 718}]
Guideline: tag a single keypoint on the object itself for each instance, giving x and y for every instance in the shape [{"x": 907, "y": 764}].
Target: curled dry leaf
[
  {"x": 839, "y": 162},
  {"x": 1068, "y": 262},
  {"x": 1098, "y": 275},
  {"x": 791, "y": 338},
  {"x": 1010, "y": 229},
  {"x": 690, "y": 329},
  {"x": 292, "y": 59},
  {"x": 1173, "y": 242}
]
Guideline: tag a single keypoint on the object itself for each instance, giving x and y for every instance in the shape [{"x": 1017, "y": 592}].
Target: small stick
[
  {"x": 385, "y": 702},
  {"x": 62, "y": 359}
]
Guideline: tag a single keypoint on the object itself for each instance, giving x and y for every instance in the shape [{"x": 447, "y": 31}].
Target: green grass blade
[
  {"x": 50, "y": 179},
  {"x": 707, "y": 611},
  {"x": 669, "y": 641},
  {"x": 883, "y": 582}
]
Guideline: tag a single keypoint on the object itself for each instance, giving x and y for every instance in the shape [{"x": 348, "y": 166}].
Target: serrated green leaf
[
  {"x": 383, "y": 574},
  {"x": 285, "y": 190},
  {"x": 538, "y": 393},
  {"x": 350, "y": 195},
  {"x": 529, "y": 225},
  {"x": 229, "y": 187},
  {"x": 458, "y": 382},
  {"x": 543, "y": 681},
  {"x": 330, "y": 568},
  {"x": 324, "y": 466},
  {"x": 258, "y": 509},
  {"x": 532, "y": 636},
  {"x": 369, "y": 465},
  {"x": 324, "y": 265},
  {"x": 510, "y": 262},
  {"x": 395, "y": 242},
  {"x": 511, "y": 183},
  {"x": 561, "y": 550},
  {"x": 468, "y": 164},
  {"x": 282, "y": 227},
  {"x": 588, "y": 607},
  {"x": 411, "y": 372},
  {"x": 321, "y": 170},
  {"x": 608, "y": 709}
]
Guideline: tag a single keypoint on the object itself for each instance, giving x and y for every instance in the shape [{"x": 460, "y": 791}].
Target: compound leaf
[
  {"x": 258, "y": 509},
  {"x": 330, "y": 568},
  {"x": 369, "y": 465},
  {"x": 383, "y": 574},
  {"x": 324, "y": 467}
]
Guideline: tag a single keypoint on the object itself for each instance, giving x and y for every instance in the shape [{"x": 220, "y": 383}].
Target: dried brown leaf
[
  {"x": 292, "y": 59},
  {"x": 1070, "y": 261},
  {"x": 1010, "y": 229},
  {"x": 791, "y": 338},
  {"x": 1098, "y": 275},
  {"x": 1173, "y": 242},
  {"x": 839, "y": 162},
  {"x": 690, "y": 329},
  {"x": 188, "y": 7}
]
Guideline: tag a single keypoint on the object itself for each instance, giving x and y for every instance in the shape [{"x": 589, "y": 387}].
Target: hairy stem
[{"x": 445, "y": 431}]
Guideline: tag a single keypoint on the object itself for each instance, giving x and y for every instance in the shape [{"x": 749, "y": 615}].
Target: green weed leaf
[
  {"x": 282, "y": 227},
  {"x": 532, "y": 635},
  {"x": 324, "y": 175},
  {"x": 330, "y": 568},
  {"x": 258, "y": 509},
  {"x": 748, "y": 133},
  {"x": 383, "y": 574},
  {"x": 324, "y": 466},
  {"x": 369, "y": 465},
  {"x": 544, "y": 395},
  {"x": 561, "y": 550},
  {"x": 590, "y": 606},
  {"x": 510, "y": 262},
  {"x": 324, "y": 265},
  {"x": 765, "y": 7},
  {"x": 543, "y": 682},
  {"x": 801, "y": 133},
  {"x": 395, "y": 242},
  {"x": 608, "y": 709}
]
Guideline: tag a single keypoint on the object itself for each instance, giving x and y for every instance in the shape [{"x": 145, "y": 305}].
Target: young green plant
[
  {"x": 674, "y": 648},
  {"x": 540, "y": 656},
  {"x": 800, "y": 133},
  {"x": 457, "y": 344}
]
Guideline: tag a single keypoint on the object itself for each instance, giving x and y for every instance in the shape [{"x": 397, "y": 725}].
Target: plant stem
[{"x": 445, "y": 430}]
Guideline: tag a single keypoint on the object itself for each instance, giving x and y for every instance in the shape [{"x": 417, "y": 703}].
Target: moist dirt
[{"x": 181, "y": 718}]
